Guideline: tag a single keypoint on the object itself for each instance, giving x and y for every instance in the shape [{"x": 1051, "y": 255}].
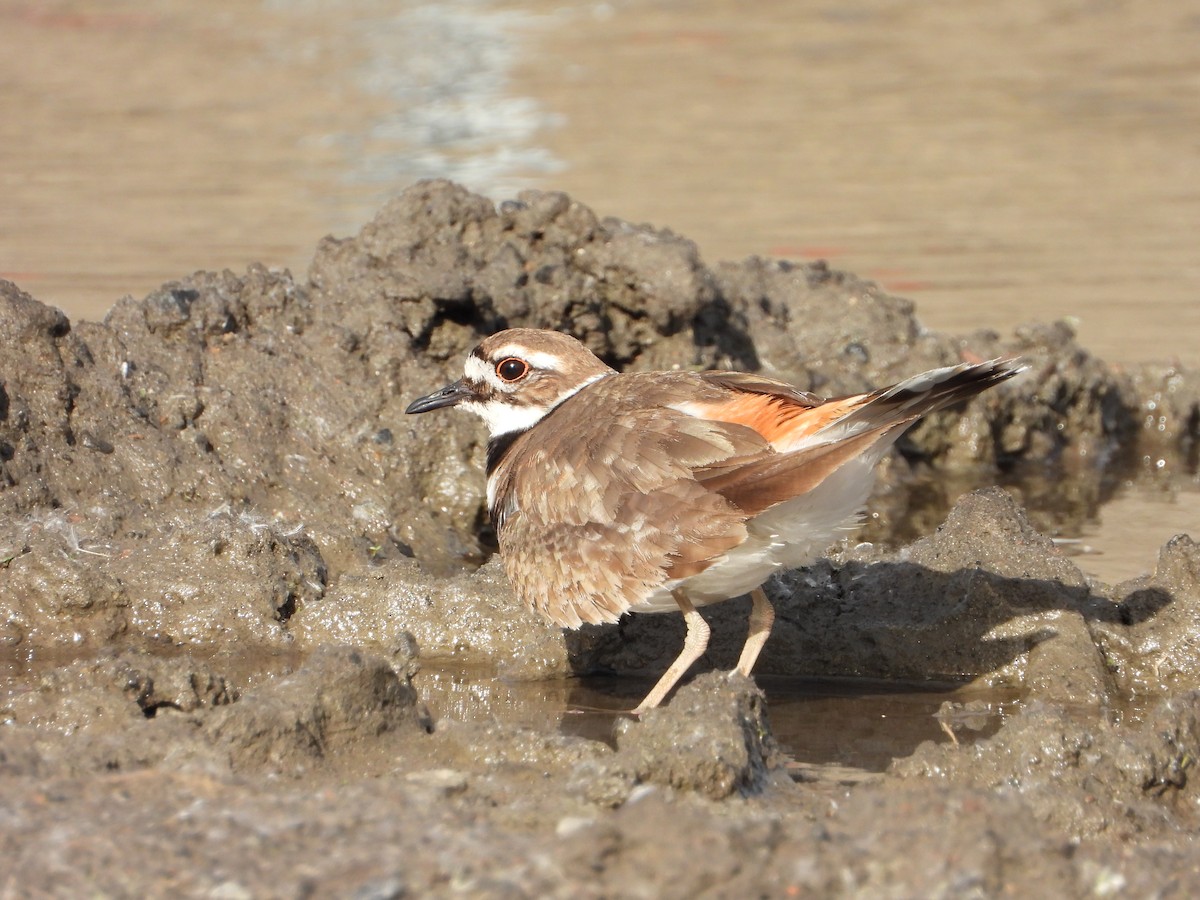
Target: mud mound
[
  {"x": 223, "y": 550},
  {"x": 277, "y": 404}
]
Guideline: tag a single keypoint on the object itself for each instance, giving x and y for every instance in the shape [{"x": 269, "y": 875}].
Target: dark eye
[{"x": 512, "y": 369}]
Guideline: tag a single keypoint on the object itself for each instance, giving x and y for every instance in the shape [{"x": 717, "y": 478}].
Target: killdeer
[{"x": 661, "y": 491}]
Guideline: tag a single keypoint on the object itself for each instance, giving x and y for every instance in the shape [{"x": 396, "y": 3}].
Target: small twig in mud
[
  {"x": 7, "y": 556},
  {"x": 953, "y": 716}
]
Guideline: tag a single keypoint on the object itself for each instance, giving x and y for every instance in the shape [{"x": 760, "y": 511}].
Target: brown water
[
  {"x": 856, "y": 724},
  {"x": 995, "y": 162},
  {"x": 837, "y": 728}
]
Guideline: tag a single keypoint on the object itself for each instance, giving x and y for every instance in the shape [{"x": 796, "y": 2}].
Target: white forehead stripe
[{"x": 476, "y": 370}]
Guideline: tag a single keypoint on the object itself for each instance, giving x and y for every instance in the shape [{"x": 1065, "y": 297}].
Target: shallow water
[
  {"x": 997, "y": 164},
  {"x": 855, "y": 724}
]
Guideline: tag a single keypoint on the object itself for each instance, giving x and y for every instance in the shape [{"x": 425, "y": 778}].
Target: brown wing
[
  {"x": 745, "y": 383},
  {"x": 604, "y": 507},
  {"x": 817, "y": 440},
  {"x": 786, "y": 418},
  {"x": 779, "y": 412},
  {"x": 756, "y": 486}
]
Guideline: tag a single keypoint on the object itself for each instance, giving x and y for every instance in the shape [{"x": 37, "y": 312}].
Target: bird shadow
[{"x": 892, "y": 627}]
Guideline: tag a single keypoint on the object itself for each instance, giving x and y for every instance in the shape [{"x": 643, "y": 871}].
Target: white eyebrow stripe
[{"x": 539, "y": 359}]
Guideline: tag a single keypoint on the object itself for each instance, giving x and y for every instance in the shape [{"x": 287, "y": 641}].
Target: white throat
[{"x": 502, "y": 416}]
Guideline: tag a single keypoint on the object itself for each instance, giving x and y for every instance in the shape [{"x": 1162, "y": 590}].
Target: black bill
[{"x": 450, "y": 395}]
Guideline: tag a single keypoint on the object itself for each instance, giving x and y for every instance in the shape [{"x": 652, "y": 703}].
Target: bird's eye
[{"x": 512, "y": 369}]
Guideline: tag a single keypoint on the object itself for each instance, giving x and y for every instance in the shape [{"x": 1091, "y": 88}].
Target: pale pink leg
[
  {"x": 694, "y": 645},
  {"x": 762, "y": 617}
]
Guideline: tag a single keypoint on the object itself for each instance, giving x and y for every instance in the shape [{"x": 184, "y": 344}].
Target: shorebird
[{"x": 666, "y": 491}]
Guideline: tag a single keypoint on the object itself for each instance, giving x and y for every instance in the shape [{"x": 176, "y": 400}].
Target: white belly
[{"x": 791, "y": 534}]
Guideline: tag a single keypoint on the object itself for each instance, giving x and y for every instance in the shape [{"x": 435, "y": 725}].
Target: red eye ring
[{"x": 512, "y": 369}]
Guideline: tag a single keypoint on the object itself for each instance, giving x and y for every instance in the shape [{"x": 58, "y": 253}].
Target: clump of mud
[{"x": 225, "y": 552}]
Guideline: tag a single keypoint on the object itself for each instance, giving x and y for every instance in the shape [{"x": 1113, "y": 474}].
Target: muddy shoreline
[{"x": 220, "y": 472}]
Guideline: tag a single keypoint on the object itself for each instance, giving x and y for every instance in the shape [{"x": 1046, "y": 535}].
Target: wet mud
[{"x": 254, "y": 641}]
